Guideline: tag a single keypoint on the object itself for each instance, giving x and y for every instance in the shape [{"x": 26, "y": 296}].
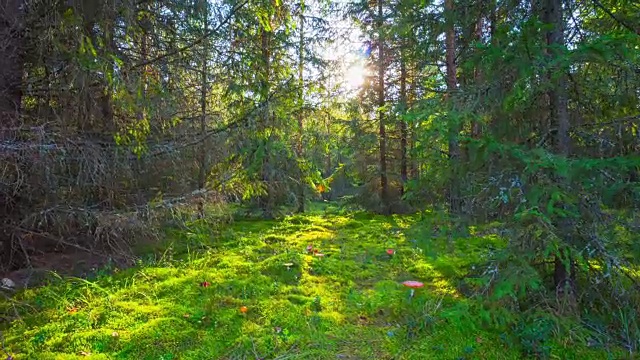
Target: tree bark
[
  {"x": 106, "y": 102},
  {"x": 11, "y": 69},
  {"x": 268, "y": 204},
  {"x": 384, "y": 188},
  {"x": 414, "y": 168},
  {"x": 11, "y": 65},
  {"x": 564, "y": 267},
  {"x": 403, "y": 124},
  {"x": 202, "y": 173},
  {"x": 476, "y": 129},
  {"x": 301, "y": 183},
  {"x": 493, "y": 19},
  {"x": 452, "y": 85}
]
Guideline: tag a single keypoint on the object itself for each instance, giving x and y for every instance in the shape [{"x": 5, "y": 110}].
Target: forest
[{"x": 319, "y": 179}]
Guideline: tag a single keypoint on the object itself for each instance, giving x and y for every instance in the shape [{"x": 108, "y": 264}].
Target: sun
[{"x": 354, "y": 75}]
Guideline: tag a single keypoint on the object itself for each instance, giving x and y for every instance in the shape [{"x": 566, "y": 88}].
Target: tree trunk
[
  {"x": 144, "y": 57},
  {"x": 384, "y": 191},
  {"x": 202, "y": 173},
  {"x": 106, "y": 103},
  {"x": 268, "y": 204},
  {"x": 403, "y": 124},
  {"x": 454, "y": 146},
  {"x": 493, "y": 19},
  {"x": 476, "y": 129},
  {"x": 11, "y": 66},
  {"x": 11, "y": 69},
  {"x": 414, "y": 172},
  {"x": 564, "y": 268},
  {"x": 329, "y": 163},
  {"x": 301, "y": 183}
]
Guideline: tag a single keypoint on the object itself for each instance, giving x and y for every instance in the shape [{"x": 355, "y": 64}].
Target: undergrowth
[{"x": 251, "y": 290}]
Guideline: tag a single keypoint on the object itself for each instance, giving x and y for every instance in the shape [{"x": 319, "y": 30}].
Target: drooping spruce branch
[
  {"x": 229, "y": 126},
  {"x": 615, "y": 18},
  {"x": 195, "y": 42}
]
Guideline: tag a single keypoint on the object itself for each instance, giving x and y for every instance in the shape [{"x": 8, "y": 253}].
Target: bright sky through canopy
[
  {"x": 348, "y": 52},
  {"x": 354, "y": 74}
]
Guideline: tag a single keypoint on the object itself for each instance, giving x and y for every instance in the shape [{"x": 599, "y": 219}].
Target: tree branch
[
  {"x": 195, "y": 42},
  {"x": 614, "y": 17},
  {"x": 227, "y": 127}
]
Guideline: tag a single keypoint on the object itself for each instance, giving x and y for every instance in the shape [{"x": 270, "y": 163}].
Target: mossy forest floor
[{"x": 349, "y": 304}]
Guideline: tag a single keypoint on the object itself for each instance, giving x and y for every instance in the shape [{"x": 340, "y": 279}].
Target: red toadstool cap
[{"x": 413, "y": 284}]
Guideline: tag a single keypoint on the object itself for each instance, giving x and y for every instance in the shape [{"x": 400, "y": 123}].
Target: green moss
[{"x": 348, "y": 304}]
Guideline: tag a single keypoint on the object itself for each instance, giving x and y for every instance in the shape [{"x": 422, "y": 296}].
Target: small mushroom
[
  {"x": 413, "y": 285},
  {"x": 244, "y": 309},
  {"x": 309, "y": 248},
  {"x": 205, "y": 284},
  {"x": 391, "y": 252},
  {"x": 288, "y": 265}
]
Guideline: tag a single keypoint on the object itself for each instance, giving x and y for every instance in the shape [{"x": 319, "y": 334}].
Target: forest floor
[{"x": 226, "y": 293}]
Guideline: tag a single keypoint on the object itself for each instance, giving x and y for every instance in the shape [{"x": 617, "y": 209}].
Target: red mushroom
[
  {"x": 413, "y": 285},
  {"x": 391, "y": 252}
]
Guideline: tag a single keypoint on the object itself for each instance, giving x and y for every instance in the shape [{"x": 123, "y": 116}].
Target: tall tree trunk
[
  {"x": 559, "y": 93},
  {"x": 403, "y": 124},
  {"x": 454, "y": 146},
  {"x": 202, "y": 173},
  {"x": 301, "y": 183},
  {"x": 329, "y": 164},
  {"x": 268, "y": 204},
  {"x": 564, "y": 267},
  {"x": 384, "y": 191},
  {"x": 144, "y": 56},
  {"x": 89, "y": 10},
  {"x": 11, "y": 66},
  {"x": 414, "y": 172},
  {"x": 476, "y": 129},
  {"x": 106, "y": 103}
]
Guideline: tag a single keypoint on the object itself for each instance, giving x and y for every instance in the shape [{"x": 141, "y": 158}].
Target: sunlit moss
[{"x": 348, "y": 304}]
